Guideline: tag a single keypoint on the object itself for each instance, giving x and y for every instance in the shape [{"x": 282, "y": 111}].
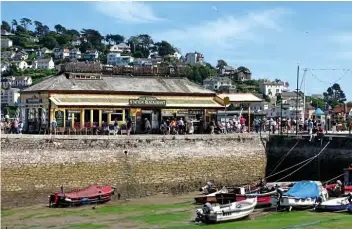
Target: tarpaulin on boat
[{"x": 304, "y": 189}]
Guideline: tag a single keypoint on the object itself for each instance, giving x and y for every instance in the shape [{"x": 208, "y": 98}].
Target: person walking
[{"x": 310, "y": 129}]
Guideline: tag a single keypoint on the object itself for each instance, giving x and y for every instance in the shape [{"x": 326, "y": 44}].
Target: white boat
[
  {"x": 226, "y": 212},
  {"x": 302, "y": 195},
  {"x": 337, "y": 204}
]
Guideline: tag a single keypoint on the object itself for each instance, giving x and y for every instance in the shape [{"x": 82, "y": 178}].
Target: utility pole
[
  {"x": 304, "y": 94},
  {"x": 297, "y": 100}
]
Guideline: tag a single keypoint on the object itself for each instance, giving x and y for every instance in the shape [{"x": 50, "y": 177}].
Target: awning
[{"x": 126, "y": 100}]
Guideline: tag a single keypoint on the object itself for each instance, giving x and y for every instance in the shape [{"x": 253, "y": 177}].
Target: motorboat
[
  {"x": 302, "y": 195},
  {"x": 93, "y": 194},
  {"x": 336, "y": 204},
  {"x": 347, "y": 184},
  {"x": 226, "y": 212}
]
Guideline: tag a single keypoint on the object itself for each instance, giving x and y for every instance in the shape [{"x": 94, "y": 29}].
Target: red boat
[
  {"x": 93, "y": 194},
  {"x": 347, "y": 181},
  {"x": 263, "y": 199}
]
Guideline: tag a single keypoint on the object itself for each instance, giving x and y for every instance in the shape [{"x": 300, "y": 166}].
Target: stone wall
[
  {"x": 333, "y": 159},
  {"x": 35, "y": 166}
]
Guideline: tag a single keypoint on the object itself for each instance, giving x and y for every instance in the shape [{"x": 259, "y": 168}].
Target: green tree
[
  {"x": 93, "y": 36},
  {"x": 63, "y": 39},
  {"x": 5, "y": 26},
  {"x": 221, "y": 64},
  {"x": 349, "y": 103},
  {"x": 164, "y": 48},
  {"x": 73, "y": 33},
  {"x": 13, "y": 24},
  {"x": 38, "y": 27},
  {"x": 59, "y": 29},
  {"x": 334, "y": 95},
  {"x": 20, "y": 30},
  {"x": 117, "y": 39},
  {"x": 48, "y": 42},
  {"x": 138, "y": 54},
  {"x": 25, "y": 22},
  {"x": 316, "y": 102}
]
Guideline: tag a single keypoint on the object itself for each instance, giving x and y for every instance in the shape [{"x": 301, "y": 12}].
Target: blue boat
[
  {"x": 337, "y": 204},
  {"x": 350, "y": 208}
]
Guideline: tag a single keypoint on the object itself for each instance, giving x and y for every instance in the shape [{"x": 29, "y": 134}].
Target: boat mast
[{"x": 304, "y": 93}]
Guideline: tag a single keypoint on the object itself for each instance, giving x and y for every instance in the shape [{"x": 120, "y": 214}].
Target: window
[{"x": 117, "y": 115}]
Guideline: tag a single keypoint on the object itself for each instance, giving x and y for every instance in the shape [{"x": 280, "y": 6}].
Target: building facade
[
  {"x": 16, "y": 81},
  {"x": 75, "y": 54},
  {"x": 6, "y": 43},
  {"x": 272, "y": 89},
  {"x": 10, "y": 96},
  {"x": 76, "y": 102},
  {"x": 43, "y": 64},
  {"x": 194, "y": 58}
]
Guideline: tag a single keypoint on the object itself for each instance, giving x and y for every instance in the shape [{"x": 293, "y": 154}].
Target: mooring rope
[
  {"x": 283, "y": 158},
  {"x": 333, "y": 178},
  {"x": 305, "y": 163}
]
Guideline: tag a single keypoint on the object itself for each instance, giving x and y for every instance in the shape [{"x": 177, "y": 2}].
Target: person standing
[{"x": 310, "y": 129}]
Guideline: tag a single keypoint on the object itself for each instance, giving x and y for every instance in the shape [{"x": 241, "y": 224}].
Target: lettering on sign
[
  {"x": 147, "y": 101},
  {"x": 34, "y": 99},
  {"x": 196, "y": 112}
]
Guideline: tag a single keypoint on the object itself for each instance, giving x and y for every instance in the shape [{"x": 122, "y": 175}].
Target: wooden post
[
  {"x": 82, "y": 118},
  {"x": 91, "y": 118},
  {"x": 100, "y": 117},
  {"x": 249, "y": 118},
  {"x": 73, "y": 120},
  {"x": 109, "y": 118}
]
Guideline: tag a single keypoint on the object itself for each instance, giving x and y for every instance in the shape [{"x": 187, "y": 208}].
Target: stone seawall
[
  {"x": 331, "y": 162},
  {"x": 35, "y": 166}
]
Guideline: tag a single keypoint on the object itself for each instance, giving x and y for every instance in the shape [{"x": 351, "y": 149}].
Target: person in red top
[{"x": 242, "y": 122}]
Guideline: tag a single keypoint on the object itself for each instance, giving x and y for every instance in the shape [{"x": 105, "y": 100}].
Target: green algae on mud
[{"x": 169, "y": 213}]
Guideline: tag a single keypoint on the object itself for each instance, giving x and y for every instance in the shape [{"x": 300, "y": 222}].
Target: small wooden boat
[
  {"x": 263, "y": 199},
  {"x": 302, "y": 195},
  {"x": 227, "y": 212},
  {"x": 93, "y": 194},
  {"x": 337, "y": 204}
]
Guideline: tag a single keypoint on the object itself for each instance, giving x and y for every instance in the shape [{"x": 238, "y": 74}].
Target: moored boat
[
  {"x": 263, "y": 199},
  {"x": 227, "y": 212},
  {"x": 349, "y": 208},
  {"x": 302, "y": 195},
  {"x": 336, "y": 204},
  {"x": 93, "y": 194},
  {"x": 346, "y": 186}
]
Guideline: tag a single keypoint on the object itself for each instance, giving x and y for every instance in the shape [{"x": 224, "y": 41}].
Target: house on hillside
[
  {"x": 120, "y": 48},
  {"x": 20, "y": 64},
  {"x": 21, "y": 55},
  {"x": 8, "y": 55},
  {"x": 10, "y": 96},
  {"x": 61, "y": 53},
  {"x": 142, "y": 62},
  {"x": 194, "y": 58},
  {"x": 43, "y": 52},
  {"x": 227, "y": 71},
  {"x": 271, "y": 89},
  {"x": 16, "y": 81},
  {"x": 215, "y": 83},
  {"x": 43, "y": 64},
  {"x": 91, "y": 55},
  {"x": 6, "y": 43},
  {"x": 5, "y": 66},
  {"x": 75, "y": 53}
]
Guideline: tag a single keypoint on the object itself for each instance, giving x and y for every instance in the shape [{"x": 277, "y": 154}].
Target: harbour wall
[{"x": 34, "y": 166}]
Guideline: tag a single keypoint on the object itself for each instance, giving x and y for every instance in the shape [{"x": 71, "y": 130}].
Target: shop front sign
[
  {"x": 34, "y": 99},
  {"x": 147, "y": 101},
  {"x": 196, "y": 112}
]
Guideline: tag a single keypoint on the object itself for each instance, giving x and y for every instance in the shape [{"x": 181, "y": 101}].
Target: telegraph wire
[{"x": 345, "y": 71}]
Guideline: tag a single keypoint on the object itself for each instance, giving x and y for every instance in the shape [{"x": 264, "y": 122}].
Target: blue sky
[{"x": 270, "y": 38}]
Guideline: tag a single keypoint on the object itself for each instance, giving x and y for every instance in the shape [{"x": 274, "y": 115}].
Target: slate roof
[{"x": 120, "y": 84}]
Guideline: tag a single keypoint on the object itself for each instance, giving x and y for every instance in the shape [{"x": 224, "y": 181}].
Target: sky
[{"x": 269, "y": 38}]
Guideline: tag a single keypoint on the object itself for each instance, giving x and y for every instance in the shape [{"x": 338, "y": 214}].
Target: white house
[
  {"x": 216, "y": 82},
  {"x": 91, "y": 55},
  {"x": 16, "y": 81},
  {"x": 8, "y": 55},
  {"x": 60, "y": 53},
  {"x": 21, "y": 55},
  {"x": 75, "y": 54},
  {"x": 6, "y": 43},
  {"x": 142, "y": 62},
  {"x": 21, "y": 64},
  {"x": 271, "y": 89},
  {"x": 41, "y": 53},
  {"x": 5, "y": 66},
  {"x": 76, "y": 42},
  {"x": 10, "y": 96},
  {"x": 43, "y": 64},
  {"x": 121, "y": 48},
  {"x": 116, "y": 59},
  {"x": 194, "y": 58}
]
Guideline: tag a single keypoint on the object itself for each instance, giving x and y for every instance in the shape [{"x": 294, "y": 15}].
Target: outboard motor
[{"x": 280, "y": 194}]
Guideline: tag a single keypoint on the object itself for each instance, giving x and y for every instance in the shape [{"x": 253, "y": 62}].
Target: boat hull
[
  {"x": 348, "y": 188},
  {"x": 349, "y": 208},
  {"x": 227, "y": 212},
  {"x": 337, "y": 204}
]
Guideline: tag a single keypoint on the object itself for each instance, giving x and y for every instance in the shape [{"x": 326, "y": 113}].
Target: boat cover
[
  {"x": 304, "y": 189},
  {"x": 89, "y": 192}
]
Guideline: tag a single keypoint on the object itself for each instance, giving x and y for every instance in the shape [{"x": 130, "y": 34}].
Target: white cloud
[
  {"x": 128, "y": 11},
  {"x": 226, "y": 29}
]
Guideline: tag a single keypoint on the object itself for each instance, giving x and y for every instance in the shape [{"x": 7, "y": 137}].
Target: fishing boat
[
  {"x": 263, "y": 199},
  {"x": 337, "y": 204},
  {"x": 347, "y": 185},
  {"x": 93, "y": 194},
  {"x": 227, "y": 212},
  {"x": 302, "y": 195}
]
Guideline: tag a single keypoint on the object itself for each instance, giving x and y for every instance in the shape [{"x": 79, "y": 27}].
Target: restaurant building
[{"x": 81, "y": 100}]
